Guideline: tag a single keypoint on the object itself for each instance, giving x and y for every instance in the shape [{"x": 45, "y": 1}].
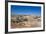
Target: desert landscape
[
  {"x": 25, "y": 21},
  {"x": 25, "y": 16}
]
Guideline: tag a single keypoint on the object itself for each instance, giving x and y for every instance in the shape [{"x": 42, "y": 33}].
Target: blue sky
[{"x": 25, "y": 10}]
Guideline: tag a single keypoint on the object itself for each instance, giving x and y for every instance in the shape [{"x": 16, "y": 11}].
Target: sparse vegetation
[{"x": 22, "y": 21}]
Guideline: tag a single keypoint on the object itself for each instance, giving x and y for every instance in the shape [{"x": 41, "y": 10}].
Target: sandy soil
[{"x": 25, "y": 21}]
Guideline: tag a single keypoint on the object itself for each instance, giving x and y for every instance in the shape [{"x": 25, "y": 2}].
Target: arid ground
[{"x": 25, "y": 21}]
